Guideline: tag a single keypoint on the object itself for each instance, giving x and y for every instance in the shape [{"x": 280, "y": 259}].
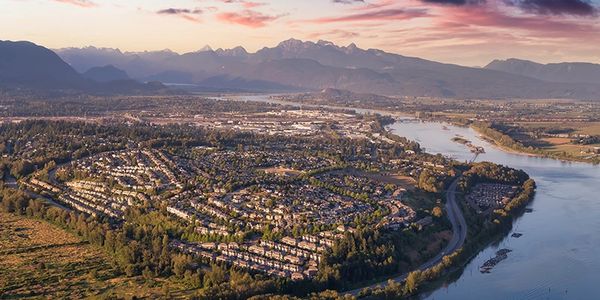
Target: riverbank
[
  {"x": 508, "y": 144},
  {"x": 477, "y": 241},
  {"x": 565, "y": 215},
  {"x": 566, "y": 192},
  {"x": 428, "y": 279},
  {"x": 499, "y": 146}
]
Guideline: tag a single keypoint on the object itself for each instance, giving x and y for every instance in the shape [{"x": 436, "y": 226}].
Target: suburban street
[{"x": 459, "y": 234}]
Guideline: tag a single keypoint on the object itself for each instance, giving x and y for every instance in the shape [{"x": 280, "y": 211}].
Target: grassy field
[
  {"x": 572, "y": 149},
  {"x": 591, "y": 128},
  {"x": 420, "y": 200},
  {"x": 560, "y": 145},
  {"x": 282, "y": 171},
  {"x": 39, "y": 260},
  {"x": 405, "y": 182}
]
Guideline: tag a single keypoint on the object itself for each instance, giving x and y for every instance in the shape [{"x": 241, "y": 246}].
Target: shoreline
[
  {"x": 494, "y": 143},
  {"x": 506, "y": 149},
  {"x": 462, "y": 256},
  {"x": 451, "y": 250},
  {"x": 510, "y": 150}
]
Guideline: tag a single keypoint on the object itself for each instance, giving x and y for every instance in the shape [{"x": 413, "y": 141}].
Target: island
[{"x": 475, "y": 149}]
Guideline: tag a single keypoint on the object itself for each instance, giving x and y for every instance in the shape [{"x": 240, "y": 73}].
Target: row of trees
[
  {"x": 374, "y": 253},
  {"x": 414, "y": 280},
  {"x": 141, "y": 248},
  {"x": 491, "y": 172}
]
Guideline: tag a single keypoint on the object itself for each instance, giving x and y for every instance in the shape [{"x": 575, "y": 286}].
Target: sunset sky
[{"x": 467, "y": 32}]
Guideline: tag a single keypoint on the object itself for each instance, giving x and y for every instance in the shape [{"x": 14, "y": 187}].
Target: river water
[{"x": 558, "y": 256}]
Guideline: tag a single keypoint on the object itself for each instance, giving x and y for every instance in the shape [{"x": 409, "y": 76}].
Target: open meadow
[{"x": 39, "y": 259}]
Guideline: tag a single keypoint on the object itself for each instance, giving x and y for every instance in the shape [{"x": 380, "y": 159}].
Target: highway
[{"x": 459, "y": 234}]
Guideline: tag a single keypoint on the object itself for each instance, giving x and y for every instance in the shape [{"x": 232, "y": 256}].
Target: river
[{"x": 558, "y": 256}]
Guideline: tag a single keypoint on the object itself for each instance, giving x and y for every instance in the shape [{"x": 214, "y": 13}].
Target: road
[
  {"x": 11, "y": 182},
  {"x": 47, "y": 199},
  {"x": 459, "y": 234}
]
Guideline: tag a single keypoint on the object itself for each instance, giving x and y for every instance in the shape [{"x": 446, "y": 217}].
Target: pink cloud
[
  {"x": 336, "y": 33},
  {"x": 376, "y": 4},
  {"x": 247, "y": 18},
  {"x": 245, "y": 3},
  {"x": 248, "y": 4},
  {"x": 378, "y": 15},
  {"x": 533, "y": 24},
  {"x": 80, "y": 3}
]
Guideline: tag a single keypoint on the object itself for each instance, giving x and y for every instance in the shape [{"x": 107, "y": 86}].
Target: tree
[
  {"x": 130, "y": 270},
  {"x": 181, "y": 263},
  {"x": 437, "y": 212},
  {"x": 20, "y": 168},
  {"x": 412, "y": 282},
  {"x": 147, "y": 274},
  {"x": 429, "y": 182},
  {"x": 215, "y": 276}
]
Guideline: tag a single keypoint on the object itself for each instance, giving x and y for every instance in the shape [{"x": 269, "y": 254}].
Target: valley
[{"x": 287, "y": 150}]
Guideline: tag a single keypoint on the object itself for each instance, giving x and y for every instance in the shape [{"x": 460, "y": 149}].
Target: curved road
[
  {"x": 459, "y": 234},
  {"x": 459, "y": 225}
]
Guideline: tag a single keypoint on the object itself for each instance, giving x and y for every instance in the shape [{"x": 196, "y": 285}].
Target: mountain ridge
[
  {"x": 23, "y": 63},
  {"x": 106, "y": 74},
  {"x": 564, "y": 72},
  {"x": 25, "y": 66},
  {"x": 311, "y": 66}
]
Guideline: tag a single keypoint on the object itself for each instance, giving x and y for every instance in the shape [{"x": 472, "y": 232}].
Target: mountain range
[
  {"x": 295, "y": 65},
  {"x": 106, "y": 73},
  {"x": 27, "y": 66},
  {"x": 574, "y": 72},
  {"x": 303, "y": 65}
]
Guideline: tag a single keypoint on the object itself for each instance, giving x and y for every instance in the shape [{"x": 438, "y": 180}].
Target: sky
[{"x": 465, "y": 32}]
